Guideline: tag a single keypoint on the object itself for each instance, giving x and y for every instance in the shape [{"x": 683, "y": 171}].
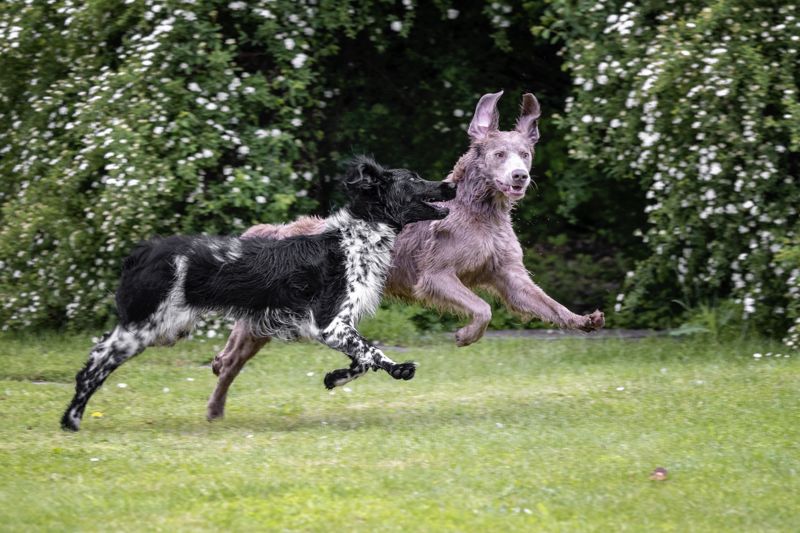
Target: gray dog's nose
[{"x": 519, "y": 175}]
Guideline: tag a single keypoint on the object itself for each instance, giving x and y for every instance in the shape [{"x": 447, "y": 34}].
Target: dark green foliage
[
  {"x": 122, "y": 120},
  {"x": 696, "y": 102}
]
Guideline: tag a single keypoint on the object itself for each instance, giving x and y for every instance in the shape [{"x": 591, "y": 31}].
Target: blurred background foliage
[{"x": 123, "y": 119}]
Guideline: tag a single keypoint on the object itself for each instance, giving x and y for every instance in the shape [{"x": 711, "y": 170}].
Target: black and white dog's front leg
[{"x": 344, "y": 338}]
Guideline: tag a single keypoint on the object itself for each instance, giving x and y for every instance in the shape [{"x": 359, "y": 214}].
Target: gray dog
[{"x": 437, "y": 263}]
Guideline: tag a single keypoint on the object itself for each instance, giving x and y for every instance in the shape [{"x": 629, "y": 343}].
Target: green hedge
[
  {"x": 698, "y": 103},
  {"x": 121, "y": 120}
]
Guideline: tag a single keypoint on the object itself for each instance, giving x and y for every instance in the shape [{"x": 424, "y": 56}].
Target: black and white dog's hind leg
[
  {"x": 107, "y": 355},
  {"x": 344, "y": 338},
  {"x": 170, "y": 321}
]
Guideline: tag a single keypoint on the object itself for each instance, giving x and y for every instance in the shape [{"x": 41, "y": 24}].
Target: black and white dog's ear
[
  {"x": 362, "y": 173},
  {"x": 528, "y": 121},
  {"x": 486, "y": 117}
]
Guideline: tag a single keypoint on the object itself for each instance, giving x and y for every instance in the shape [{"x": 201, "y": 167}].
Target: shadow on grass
[{"x": 552, "y": 410}]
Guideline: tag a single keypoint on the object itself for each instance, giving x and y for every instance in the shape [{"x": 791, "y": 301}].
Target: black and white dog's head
[{"x": 393, "y": 196}]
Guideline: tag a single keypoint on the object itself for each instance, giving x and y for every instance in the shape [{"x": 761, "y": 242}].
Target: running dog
[
  {"x": 315, "y": 286},
  {"x": 439, "y": 263}
]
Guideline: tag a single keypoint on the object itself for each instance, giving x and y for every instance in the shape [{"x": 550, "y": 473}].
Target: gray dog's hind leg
[
  {"x": 107, "y": 355},
  {"x": 240, "y": 348},
  {"x": 364, "y": 356},
  {"x": 444, "y": 290}
]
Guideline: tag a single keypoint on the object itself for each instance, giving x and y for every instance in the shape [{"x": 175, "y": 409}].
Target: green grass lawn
[{"x": 506, "y": 435}]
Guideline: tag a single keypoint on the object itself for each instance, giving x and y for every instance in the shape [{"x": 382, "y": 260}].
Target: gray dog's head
[{"x": 505, "y": 156}]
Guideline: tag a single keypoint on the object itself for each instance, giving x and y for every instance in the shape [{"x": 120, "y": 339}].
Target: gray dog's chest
[{"x": 476, "y": 248}]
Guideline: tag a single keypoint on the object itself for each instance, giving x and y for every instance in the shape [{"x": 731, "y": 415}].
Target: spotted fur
[{"x": 314, "y": 286}]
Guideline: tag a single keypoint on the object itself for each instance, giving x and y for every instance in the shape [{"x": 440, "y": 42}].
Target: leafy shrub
[
  {"x": 120, "y": 120},
  {"x": 720, "y": 322},
  {"x": 698, "y": 102}
]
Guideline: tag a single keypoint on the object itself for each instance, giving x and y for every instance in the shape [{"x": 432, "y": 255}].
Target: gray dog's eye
[
  {"x": 525, "y": 155},
  {"x": 500, "y": 155}
]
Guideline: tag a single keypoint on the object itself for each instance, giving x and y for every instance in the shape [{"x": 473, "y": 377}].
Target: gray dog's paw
[
  {"x": 594, "y": 321},
  {"x": 467, "y": 335}
]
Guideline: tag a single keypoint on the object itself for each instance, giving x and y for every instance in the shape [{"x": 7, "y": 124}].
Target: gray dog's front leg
[
  {"x": 523, "y": 296},
  {"x": 444, "y": 290}
]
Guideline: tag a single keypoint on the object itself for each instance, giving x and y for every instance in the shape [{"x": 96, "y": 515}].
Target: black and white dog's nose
[{"x": 519, "y": 175}]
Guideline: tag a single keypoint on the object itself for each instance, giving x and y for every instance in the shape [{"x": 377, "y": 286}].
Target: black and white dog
[{"x": 316, "y": 286}]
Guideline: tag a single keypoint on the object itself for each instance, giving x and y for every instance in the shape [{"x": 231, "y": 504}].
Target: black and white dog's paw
[
  {"x": 337, "y": 377},
  {"x": 403, "y": 371},
  {"x": 71, "y": 421}
]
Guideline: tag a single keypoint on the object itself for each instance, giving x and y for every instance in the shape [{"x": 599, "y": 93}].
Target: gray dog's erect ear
[
  {"x": 528, "y": 121},
  {"x": 486, "y": 117},
  {"x": 362, "y": 172}
]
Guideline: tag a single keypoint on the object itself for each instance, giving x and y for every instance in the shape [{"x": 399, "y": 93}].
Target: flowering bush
[
  {"x": 122, "y": 119},
  {"x": 698, "y": 101}
]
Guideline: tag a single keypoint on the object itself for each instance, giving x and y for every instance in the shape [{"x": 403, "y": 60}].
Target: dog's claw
[{"x": 404, "y": 371}]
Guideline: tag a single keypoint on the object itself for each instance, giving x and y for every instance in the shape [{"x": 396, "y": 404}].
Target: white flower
[
  {"x": 452, "y": 14},
  {"x": 288, "y": 43},
  {"x": 396, "y": 25},
  {"x": 587, "y": 119},
  {"x": 243, "y": 150},
  {"x": 261, "y": 200},
  {"x": 458, "y": 113},
  {"x": 194, "y": 87},
  {"x": 299, "y": 60},
  {"x": 237, "y": 6},
  {"x": 649, "y": 139}
]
